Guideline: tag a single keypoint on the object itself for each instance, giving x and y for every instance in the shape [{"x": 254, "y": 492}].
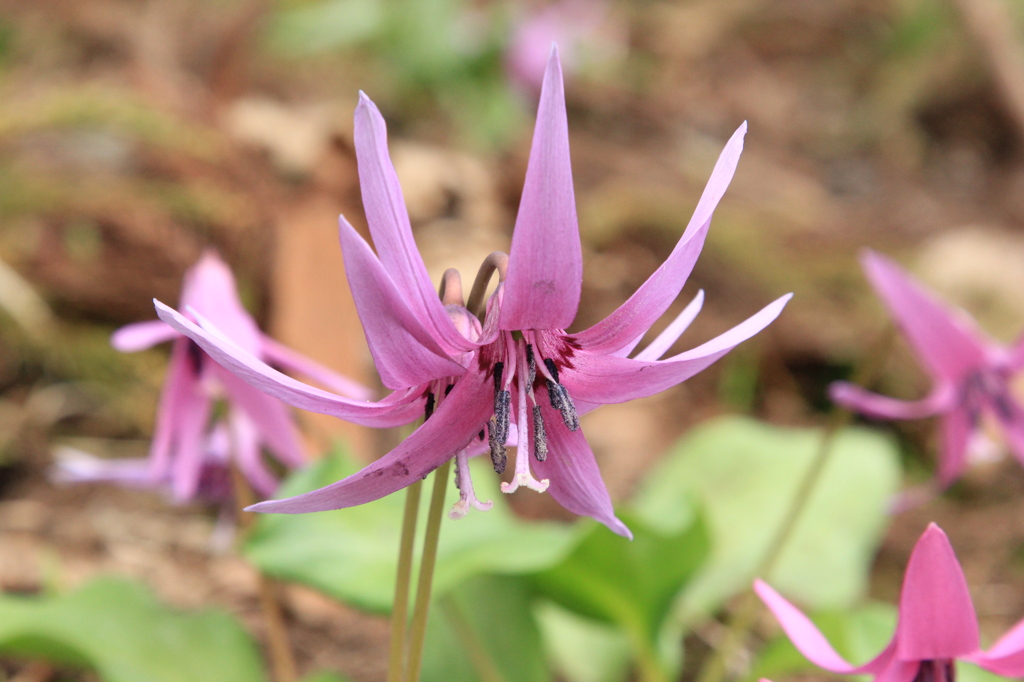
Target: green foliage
[
  {"x": 630, "y": 584},
  {"x": 484, "y": 630},
  {"x": 118, "y": 629},
  {"x": 350, "y": 553},
  {"x": 581, "y": 649},
  {"x": 744, "y": 475}
]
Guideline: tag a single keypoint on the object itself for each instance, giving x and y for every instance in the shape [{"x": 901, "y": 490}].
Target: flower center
[
  {"x": 939, "y": 670},
  {"x": 988, "y": 387}
]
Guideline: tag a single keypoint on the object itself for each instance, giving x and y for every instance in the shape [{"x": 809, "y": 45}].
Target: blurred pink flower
[
  {"x": 937, "y": 625},
  {"x": 478, "y": 382},
  {"x": 971, "y": 373},
  {"x": 580, "y": 28},
  {"x": 190, "y": 453}
]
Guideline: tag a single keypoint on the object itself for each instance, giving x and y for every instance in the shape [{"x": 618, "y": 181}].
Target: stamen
[
  {"x": 942, "y": 670},
  {"x": 502, "y": 407},
  {"x": 523, "y": 476},
  {"x": 559, "y": 397},
  {"x": 498, "y": 457},
  {"x": 467, "y": 498},
  {"x": 540, "y": 441},
  {"x": 429, "y": 408},
  {"x": 531, "y": 362},
  {"x": 552, "y": 369},
  {"x": 448, "y": 389}
]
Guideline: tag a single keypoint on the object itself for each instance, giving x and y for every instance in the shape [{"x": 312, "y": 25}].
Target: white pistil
[
  {"x": 523, "y": 476},
  {"x": 467, "y": 498}
]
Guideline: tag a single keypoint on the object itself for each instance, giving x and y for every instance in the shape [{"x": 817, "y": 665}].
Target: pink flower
[
  {"x": 190, "y": 454},
  {"x": 936, "y": 625},
  {"x": 518, "y": 372},
  {"x": 971, "y": 373}
]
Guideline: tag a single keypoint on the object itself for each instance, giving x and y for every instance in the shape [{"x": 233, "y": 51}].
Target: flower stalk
[
  {"x": 715, "y": 669},
  {"x": 418, "y": 628},
  {"x": 403, "y": 580}
]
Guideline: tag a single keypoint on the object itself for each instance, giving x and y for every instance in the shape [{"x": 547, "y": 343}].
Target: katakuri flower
[
  {"x": 191, "y": 451},
  {"x": 971, "y": 372},
  {"x": 518, "y": 372},
  {"x": 936, "y": 625}
]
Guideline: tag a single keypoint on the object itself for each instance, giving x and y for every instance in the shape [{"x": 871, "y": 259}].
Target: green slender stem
[
  {"x": 481, "y": 659},
  {"x": 400, "y": 607},
  {"x": 715, "y": 668},
  {"x": 418, "y": 629},
  {"x": 649, "y": 665}
]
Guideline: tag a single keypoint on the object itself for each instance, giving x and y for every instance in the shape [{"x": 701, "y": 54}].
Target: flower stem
[
  {"x": 714, "y": 670},
  {"x": 400, "y": 609},
  {"x": 481, "y": 659},
  {"x": 282, "y": 660},
  {"x": 418, "y": 629}
]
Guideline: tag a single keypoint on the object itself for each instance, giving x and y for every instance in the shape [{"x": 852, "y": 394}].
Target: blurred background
[{"x": 135, "y": 133}]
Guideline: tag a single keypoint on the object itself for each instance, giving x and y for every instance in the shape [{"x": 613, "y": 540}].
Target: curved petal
[
  {"x": 1006, "y": 657},
  {"x": 211, "y": 290},
  {"x": 937, "y": 618},
  {"x": 400, "y": 407},
  {"x": 142, "y": 335},
  {"x": 660, "y": 345},
  {"x": 268, "y": 416},
  {"x": 808, "y": 638},
  {"x": 545, "y": 264},
  {"x": 189, "y": 440},
  {"x": 404, "y": 352},
  {"x": 284, "y": 357},
  {"x": 75, "y": 466},
  {"x": 575, "y": 480},
  {"x": 389, "y": 225},
  {"x": 652, "y": 299},
  {"x": 246, "y": 443},
  {"x": 955, "y": 429},
  {"x": 945, "y": 339},
  {"x": 871, "y": 404},
  {"x": 605, "y": 379},
  {"x": 455, "y": 423}
]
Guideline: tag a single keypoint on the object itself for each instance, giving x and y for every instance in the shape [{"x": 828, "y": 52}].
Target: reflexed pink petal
[
  {"x": 284, "y": 357},
  {"x": 660, "y": 345},
  {"x": 945, "y": 339},
  {"x": 141, "y": 335},
  {"x": 210, "y": 289},
  {"x": 1006, "y": 657},
  {"x": 75, "y": 466},
  {"x": 268, "y": 415},
  {"x": 607, "y": 379},
  {"x": 576, "y": 482},
  {"x": 956, "y": 429},
  {"x": 180, "y": 386},
  {"x": 404, "y": 352},
  {"x": 652, "y": 299},
  {"x": 882, "y": 407},
  {"x": 400, "y": 407},
  {"x": 937, "y": 618},
  {"x": 545, "y": 265},
  {"x": 189, "y": 443},
  {"x": 455, "y": 423},
  {"x": 390, "y": 229},
  {"x": 808, "y": 638}
]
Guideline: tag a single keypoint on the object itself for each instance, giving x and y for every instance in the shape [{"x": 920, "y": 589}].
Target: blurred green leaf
[
  {"x": 581, "y": 649},
  {"x": 858, "y": 635},
  {"x": 351, "y": 553},
  {"x": 484, "y": 630},
  {"x": 326, "y": 677},
  {"x": 629, "y": 583},
  {"x": 118, "y": 629},
  {"x": 327, "y": 25},
  {"x": 744, "y": 474}
]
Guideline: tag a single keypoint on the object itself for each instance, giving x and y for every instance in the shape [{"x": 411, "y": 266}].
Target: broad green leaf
[
  {"x": 351, "y": 553},
  {"x": 858, "y": 635},
  {"x": 743, "y": 474},
  {"x": 581, "y": 649},
  {"x": 327, "y": 25},
  {"x": 484, "y": 630},
  {"x": 118, "y": 629},
  {"x": 629, "y": 583}
]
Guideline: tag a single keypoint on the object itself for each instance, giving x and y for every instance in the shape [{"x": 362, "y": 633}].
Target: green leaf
[
  {"x": 628, "y": 583},
  {"x": 744, "y": 474},
  {"x": 484, "y": 630},
  {"x": 327, "y": 25},
  {"x": 351, "y": 553},
  {"x": 325, "y": 676},
  {"x": 118, "y": 629},
  {"x": 581, "y": 649},
  {"x": 858, "y": 635}
]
